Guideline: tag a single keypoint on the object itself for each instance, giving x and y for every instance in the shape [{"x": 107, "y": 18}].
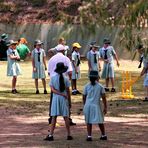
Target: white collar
[
  {"x": 37, "y": 51},
  {"x": 11, "y": 50},
  {"x": 76, "y": 52},
  {"x": 92, "y": 52}
]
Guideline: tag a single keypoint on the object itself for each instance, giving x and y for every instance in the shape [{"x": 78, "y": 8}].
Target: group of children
[
  {"x": 38, "y": 64},
  {"x": 93, "y": 92},
  {"x": 60, "y": 82}
]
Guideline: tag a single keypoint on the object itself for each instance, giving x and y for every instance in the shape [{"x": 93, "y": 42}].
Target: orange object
[{"x": 23, "y": 41}]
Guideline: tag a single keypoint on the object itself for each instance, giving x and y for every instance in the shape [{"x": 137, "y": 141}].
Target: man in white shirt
[{"x": 59, "y": 57}]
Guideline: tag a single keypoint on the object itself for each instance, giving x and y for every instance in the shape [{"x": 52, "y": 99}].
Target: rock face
[{"x": 49, "y": 34}]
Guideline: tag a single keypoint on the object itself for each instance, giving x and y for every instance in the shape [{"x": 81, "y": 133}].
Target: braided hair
[{"x": 61, "y": 82}]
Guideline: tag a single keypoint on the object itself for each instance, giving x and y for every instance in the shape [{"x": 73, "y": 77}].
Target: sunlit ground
[{"x": 25, "y": 115}]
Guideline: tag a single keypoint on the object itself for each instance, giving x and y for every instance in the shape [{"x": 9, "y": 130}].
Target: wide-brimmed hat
[
  {"x": 106, "y": 41},
  {"x": 94, "y": 74},
  {"x": 11, "y": 42},
  {"x": 77, "y": 45},
  {"x": 61, "y": 68},
  {"x": 38, "y": 42},
  {"x": 4, "y": 36},
  {"x": 93, "y": 44},
  {"x": 60, "y": 47}
]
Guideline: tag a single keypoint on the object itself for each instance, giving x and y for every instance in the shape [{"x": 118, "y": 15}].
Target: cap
[{"x": 76, "y": 45}]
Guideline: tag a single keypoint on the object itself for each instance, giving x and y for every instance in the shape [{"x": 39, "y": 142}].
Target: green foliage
[{"x": 4, "y": 7}]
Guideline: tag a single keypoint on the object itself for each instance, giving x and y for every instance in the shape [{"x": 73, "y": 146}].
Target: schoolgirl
[{"x": 39, "y": 65}]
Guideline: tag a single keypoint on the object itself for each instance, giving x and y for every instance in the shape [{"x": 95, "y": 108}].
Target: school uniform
[
  {"x": 93, "y": 58},
  {"x": 145, "y": 64},
  {"x": 76, "y": 59},
  {"x": 108, "y": 68},
  {"x": 38, "y": 56},
  {"x": 13, "y": 68},
  {"x": 92, "y": 108},
  {"x": 59, "y": 106}
]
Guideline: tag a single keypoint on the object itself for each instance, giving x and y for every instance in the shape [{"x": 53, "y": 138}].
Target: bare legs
[
  {"x": 102, "y": 128},
  {"x": 53, "y": 124},
  {"x": 89, "y": 132},
  {"x": 14, "y": 80},
  {"x": 74, "y": 84},
  {"x": 44, "y": 83},
  {"x": 107, "y": 82},
  {"x": 36, "y": 84},
  {"x": 44, "y": 86},
  {"x": 89, "y": 129}
]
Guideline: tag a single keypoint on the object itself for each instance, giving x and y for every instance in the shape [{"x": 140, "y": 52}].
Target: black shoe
[
  {"x": 74, "y": 93},
  {"x": 49, "y": 120},
  {"x": 69, "y": 138},
  {"x": 145, "y": 100},
  {"x": 37, "y": 92},
  {"x": 49, "y": 138},
  {"x": 71, "y": 123},
  {"x": 106, "y": 89},
  {"x": 45, "y": 91},
  {"x": 89, "y": 139},
  {"x": 78, "y": 92},
  {"x": 113, "y": 90},
  {"x": 13, "y": 91},
  {"x": 103, "y": 138}
]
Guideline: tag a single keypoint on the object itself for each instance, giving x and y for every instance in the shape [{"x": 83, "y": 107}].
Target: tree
[{"x": 129, "y": 15}]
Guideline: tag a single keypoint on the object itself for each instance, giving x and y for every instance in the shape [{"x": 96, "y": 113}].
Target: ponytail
[
  {"x": 61, "y": 82},
  {"x": 93, "y": 80}
]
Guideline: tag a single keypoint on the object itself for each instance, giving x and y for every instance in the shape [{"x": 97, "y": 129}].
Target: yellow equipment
[{"x": 127, "y": 84}]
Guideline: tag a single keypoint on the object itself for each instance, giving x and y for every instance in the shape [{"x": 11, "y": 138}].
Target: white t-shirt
[{"x": 59, "y": 57}]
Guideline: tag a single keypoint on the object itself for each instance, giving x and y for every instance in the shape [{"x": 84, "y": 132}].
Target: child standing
[
  {"x": 75, "y": 57},
  {"x": 107, "y": 53},
  {"x": 93, "y": 57},
  {"x": 22, "y": 49},
  {"x": 61, "y": 101},
  {"x": 92, "y": 94},
  {"x": 39, "y": 65},
  {"x": 143, "y": 53},
  {"x": 13, "y": 68}
]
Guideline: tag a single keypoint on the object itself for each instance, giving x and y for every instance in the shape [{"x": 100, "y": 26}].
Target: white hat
[{"x": 60, "y": 47}]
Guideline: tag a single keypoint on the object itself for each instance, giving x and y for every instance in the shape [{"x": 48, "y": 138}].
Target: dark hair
[
  {"x": 90, "y": 48},
  {"x": 93, "y": 80},
  {"x": 61, "y": 82},
  {"x": 73, "y": 49},
  {"x": 19, "y": 40}
]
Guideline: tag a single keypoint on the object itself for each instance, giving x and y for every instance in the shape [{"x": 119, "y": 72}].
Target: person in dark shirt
[{"x": 3, "y": 46}]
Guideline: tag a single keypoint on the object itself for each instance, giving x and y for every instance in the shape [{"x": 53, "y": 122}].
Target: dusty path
[{"x": 22, "y": 131}]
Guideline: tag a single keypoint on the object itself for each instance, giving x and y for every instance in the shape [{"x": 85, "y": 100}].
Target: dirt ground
[
  {"x": 23, "y": 116},
  {"x": 29, "y": 131}
]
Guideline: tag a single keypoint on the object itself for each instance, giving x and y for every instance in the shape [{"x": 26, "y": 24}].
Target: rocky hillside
[{"x": 48, "y": 11}]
